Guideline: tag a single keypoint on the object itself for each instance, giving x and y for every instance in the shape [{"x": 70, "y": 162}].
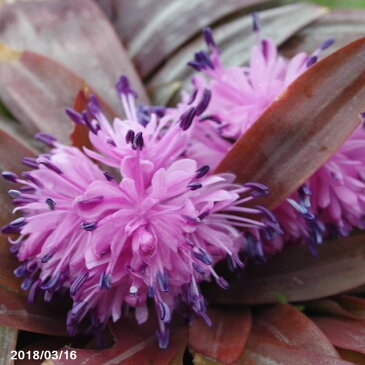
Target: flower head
[
  {"x": 152, "y": 226},
  {"x": 331, "y": 201}
]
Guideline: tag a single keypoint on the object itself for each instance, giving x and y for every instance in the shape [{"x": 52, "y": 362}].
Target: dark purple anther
[
  {"x": 52, "y": 282},
  {"x": 208, "y": 38},
  {"x": 15, "y": 247},
  {"x": 203, "y": 215},
  {"x": 201, "y": 62},
  {"x": 26, "y": 283},
  {"x": 193, "y": 96},
  {"x": 51, "y": 203},
  {"x": 89, "y": 123},
  {"x": 88, "y": 226},
  {"x": 74, "y": 116},
  {"x": 76, "y": 284},
  {"x": 198, "y": 268},
  {"x": 108, "y": 176},
  {"x": 129, "y": 138},
  {"x": 222, "y": 283},
  {"x": 23, "y": 200},
  {"x": 123, "y": 87},
  {"x": 327, "y": 43},
  {"x": 94, "y": 106},
  {"x": 30, "y": 161},
  {"x": 111, "y": 142},
  {"x": 203, "y": 256},
  {"x": 78, "y": 309},
  {"x": 14, "y": 226},
  {"x": 255, "y": 22},
  {"x": 202, "y": 106},
  {"x": 362, "y": 117},
  {"x": 27, "y": 175},
  {"x": 165, "y": 313},
  {"x": 14, "y": 193},
  {"x": 213, "y": 118},
  {"x": 10, "y": 176},
  {"x": 47, "y": 257},
  {"x": 265, "y": 48},
  {"x": 259, "y": 189},
  {"x": 187, "y": 118},
  {"x": 46, "y": 138},
  {"x": 163, "y": 281},
  {"x": 50, "y": 166},
  {"x": 20, "y": 271},
  {"x": 267, "y": 213},
  {"x": 201, "y": 171},
  {"x": 151, "y": 292},
  {"x": 91, "y": 201},
  {"x": 33, "y": 291},
  {"x": 312, "y": 60},
  {"x": 195, "y": 186},
  {"x": 105, "y": 281},
  {"x": 138, "y": 141},
  {"x": 163, "y": 338}
]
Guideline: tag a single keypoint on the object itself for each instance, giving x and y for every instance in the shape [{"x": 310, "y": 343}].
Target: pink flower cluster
[
  {"x": 152, "y": 225},
  {"x": 332, "y": 201}
]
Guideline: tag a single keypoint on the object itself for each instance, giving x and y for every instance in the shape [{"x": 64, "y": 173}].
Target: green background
[{"x": 341, "y": 3}]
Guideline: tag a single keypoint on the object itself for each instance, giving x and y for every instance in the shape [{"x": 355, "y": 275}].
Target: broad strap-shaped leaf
[
  {"x": 297, "y": 275},
  {"x": 8, "y": 338},
  {"x": 235, "y": 40},
  {"x": 134, "y": 344},
  {"x": 344, "y": 333},
  {"x": 304, "y": 127},
  {"x": 225, "y": 340},
  {"x": 288, "y": 325},
  {"x": 37, "y": 90},
  {"x": 76, "y": 34},
  {"x": 344, "y": 305},
  {"x": 14, "y": 309},
  {"x": 153, "y": 30}
]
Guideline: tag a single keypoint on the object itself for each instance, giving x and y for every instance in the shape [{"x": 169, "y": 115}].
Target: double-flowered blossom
[
  {"x": 332, "y": 200},
  {"x": 152, "y": 225}
]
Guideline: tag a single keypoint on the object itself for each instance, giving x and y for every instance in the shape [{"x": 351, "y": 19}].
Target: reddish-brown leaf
[
  {"x": 134, "y": 344},
  {"x": 235, "y": 40},
  {"x": 346, "y": 306},
  {"x": 287, "y": 325},
  {"x": 263, "y": 352},
  {"x": 304, "y": 127},
  {"x": 345, "y": 333},
  {"x": 75, "y": 33},
  {"x": 226, "y": 339},
  {"x": 37, "y": 90},
  {"x": 297, "y": 275},
  {"x": 152, "y": 30}
]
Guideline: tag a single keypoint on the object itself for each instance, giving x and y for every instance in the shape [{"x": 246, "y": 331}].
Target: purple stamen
[
  {"x": 129, "y": 138},
  {"x": 312, "y": 60},
  {"x": 259, "y": 189},
  {"x": 222, "y": 283},
  {"x": 30, "y": 161},
  {"x": 123, "y": 87},
  {"x": 255, "y": 22},
  {"x": 52, "y": 282},
  {"x": 165, "y": 312},
  {"x": 202, "y": 106},
  {"x": 213, "y": 118},
  {"x": 362, "y": 117},
  {"x": 14, "y": 226},
  {"x": 201, "y": 62},
  {"x": 78, "y": 309},
  {"x": 138, "y": 141},
  {"x": 108, "y": 176},
  {"x": 201, "y": 171},
  {"x": 32, "y": 179},
  {"x": 47, "y": 257},
  {"x": 14, "y": 193},
  {"x": 50, "y": 166},
  {"x": 75, "y": 116},
  {"x": 33, "y": 291},
  {"x": 105, "y": 281},
  {"x": 10, "y": 176},
  {"x": 327, "y": 43},
  {"x": 151, "y": 292},
  {"x": 91, "y": 201},
  {"x": 23, "y": 200},
  {"x": 198, "y": 268},
  {"x": 20, "y": 271},
  {"x": 163, "y": 338},
  {"x": 203, "y": 256},
  {"x": 88, "y": 122},
  {"x": 88, "y": 226},
  {"x": 195, "y": 186},
  {"x": 163, "y": 281},
  {"x": 51, "y": 203},
  {"x": 111, "y": 142},
  {"x": 208, "y": 38},
  {"x": 94, "y": 106},
  {"x": 26, "y": 283},
  {"x": 46, "y": 138},
  {"x": 192, "y": 96},
  {"x": 187, "y": 118},
  {"x": 77, "y": 283}
]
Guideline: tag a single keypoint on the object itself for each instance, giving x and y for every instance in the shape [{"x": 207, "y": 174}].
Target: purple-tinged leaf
[
  {"x": 235, "y": 39},
  {"x": 304, "y": 127},
  {"x": 225, "y": 340},
  {"x": 152, "y": 30},
  {"x": 297, "y": 275},
  {"x": 76, "y": 34}
]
